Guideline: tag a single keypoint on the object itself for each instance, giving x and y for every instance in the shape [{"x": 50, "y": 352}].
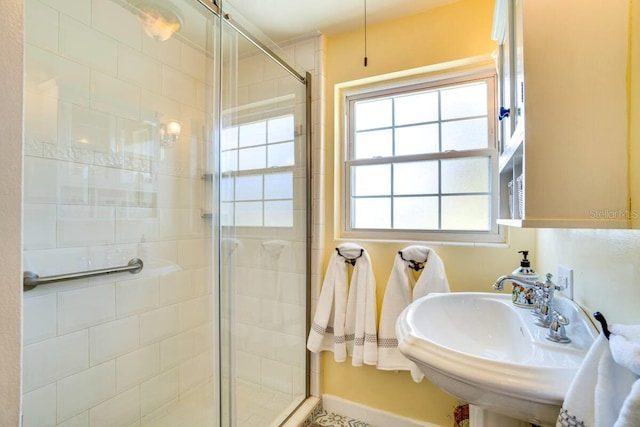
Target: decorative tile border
[{"x": 112, "y": 160}]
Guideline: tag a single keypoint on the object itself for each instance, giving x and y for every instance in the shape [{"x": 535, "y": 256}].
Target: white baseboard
[{"x": 369, "y": 415}]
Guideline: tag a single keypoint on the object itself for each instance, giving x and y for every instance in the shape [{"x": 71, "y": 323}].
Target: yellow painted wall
[{"x": 448, "y": 33}]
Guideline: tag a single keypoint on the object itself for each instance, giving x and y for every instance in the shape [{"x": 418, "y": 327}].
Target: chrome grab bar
[{"x": 31, "y": 279}]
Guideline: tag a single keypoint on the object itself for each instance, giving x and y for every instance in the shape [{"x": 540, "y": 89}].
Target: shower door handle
[{"x": 31, "y": 280}]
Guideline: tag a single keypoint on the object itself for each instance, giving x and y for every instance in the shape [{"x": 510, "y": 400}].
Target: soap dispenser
[{"x": 523, "y": 296}]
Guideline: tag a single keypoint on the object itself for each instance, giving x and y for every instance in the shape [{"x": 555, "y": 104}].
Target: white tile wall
[
  {"x": 87, "y": 128},
  {"x": 121, "y": 410},
  {"x": 82, "y": 308},
  {"x": 81, "y": 391},
  {"x": 139, "y": 69},
  {"x": 41, "y": 119},
  {"x": 56, "y": 77},
  {"x": 177, "y": 286},
  {"x": 39, "y": 407},
  {"x": 195, "y": 371},
  {"x": 248, "y": 367},
  {"x": 41, "y": 233},
  {"x": 116, "y": 22},
  {"x": 277, "y": 375},
  {"x": 81, "y": 12},
  {"x": 203, "y": 338},
  {"x": 160, "y": 323},
  {"x": 85, "y": 225},
  {"x": 193, "y": 253},
  {"x": 113, "y": 339},
  {"x": 251, "y": 71},
  {"x": 39, "y": 314},
  {"x": 166, "y": 51},
  {"x": 194, "y": 312},
  {"x": 81, "y": 420},
  {"x": 89, "y": 47},
  {"x": 134, "y": 223},
  {"x": 115, "y": 96},
  {"x": 159, "y": 391},
  {"x": 42, "y": 24},
  {"x": 138, "y": 366},
  {"x": 56, "y": 358},
  {"x": 176, "y": 350},
  {"x": 193, "y": 62},
  {"x": 137, "y": 295},
  {"x": 178, "y": 86}
]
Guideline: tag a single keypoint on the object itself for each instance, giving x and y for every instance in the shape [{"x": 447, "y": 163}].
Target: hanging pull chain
[{"x": 365, "y": 33}]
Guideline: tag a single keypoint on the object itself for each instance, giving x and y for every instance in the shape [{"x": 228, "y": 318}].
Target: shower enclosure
[{"x": 162, "y": 131}]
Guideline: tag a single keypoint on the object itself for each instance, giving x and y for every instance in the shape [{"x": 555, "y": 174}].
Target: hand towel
[
  {"x": 402, "y": 289},
  {"x": 361, "y": 318},
  {"x": 625, "y": 350},
  {"x": 598, "y": 390},
  {"x": 327, "y": 329}
]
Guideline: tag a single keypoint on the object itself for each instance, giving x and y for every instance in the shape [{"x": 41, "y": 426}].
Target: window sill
[{"x": 496, "y": 245}]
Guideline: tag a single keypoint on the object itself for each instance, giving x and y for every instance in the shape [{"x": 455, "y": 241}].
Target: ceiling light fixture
[{"x": 159, "y": 20}]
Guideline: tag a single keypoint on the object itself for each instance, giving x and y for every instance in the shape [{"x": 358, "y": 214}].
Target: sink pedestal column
[{"x": 480, "y": 417}]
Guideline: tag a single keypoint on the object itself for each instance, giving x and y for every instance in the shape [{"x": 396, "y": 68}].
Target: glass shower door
[
  {"x": 264, "y": 247},
  {"x": 118, "y": 129}
]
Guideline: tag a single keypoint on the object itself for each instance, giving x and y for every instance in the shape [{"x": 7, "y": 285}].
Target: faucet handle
[
  {"x": 548, "y": 284},
  {"x": 560, "y": 318},
  {"x": 544, "y": 315},
  {"x": 557, "y": 331},
  {"x": 549, "y": 287}
]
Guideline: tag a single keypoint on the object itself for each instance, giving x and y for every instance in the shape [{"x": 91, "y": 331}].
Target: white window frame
[{"x": 496, "y": 232}]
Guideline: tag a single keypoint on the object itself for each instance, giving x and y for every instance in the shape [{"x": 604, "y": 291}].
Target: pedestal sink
[{"x": 482, "y": 349}]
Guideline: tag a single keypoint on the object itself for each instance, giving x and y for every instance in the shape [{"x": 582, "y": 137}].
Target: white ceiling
[{"x": 282, "y": 20}]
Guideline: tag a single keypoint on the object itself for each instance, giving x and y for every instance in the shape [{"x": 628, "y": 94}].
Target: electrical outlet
[{"x": 565, "y": 279}]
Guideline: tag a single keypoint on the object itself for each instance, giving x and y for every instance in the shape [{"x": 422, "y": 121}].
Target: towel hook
[
  {"x": 603, "y": 322},
  {"x": 351, "y": 261},
  {"x": 415, "y": 265}
]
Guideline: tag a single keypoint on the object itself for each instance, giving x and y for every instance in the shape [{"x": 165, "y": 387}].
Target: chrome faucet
[
  {"x": 541, "y": 297},
  {"x": 544, "y": 302},
  {"x": 499, "y": 285},
  {"x": 542, "y": 305}
]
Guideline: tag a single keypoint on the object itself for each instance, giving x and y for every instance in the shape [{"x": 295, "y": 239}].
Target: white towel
[
  {"x": 327, "y": 329},
  {"x": 597, "y": 393},
  {"x": 361, "y": 319},
  {"x": 625, "y": 350},
  {"x": 402, "y": 289}
]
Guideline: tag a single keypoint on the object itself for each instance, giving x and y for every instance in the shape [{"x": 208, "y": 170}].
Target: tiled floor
[{"x": 329, "y": 419}]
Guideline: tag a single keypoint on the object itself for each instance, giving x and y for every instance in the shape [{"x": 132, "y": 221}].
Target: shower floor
[{"x": 255, "y": 407}]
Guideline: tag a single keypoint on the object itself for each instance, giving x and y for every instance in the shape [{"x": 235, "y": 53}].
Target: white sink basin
[{"x": 482, "y": 349}]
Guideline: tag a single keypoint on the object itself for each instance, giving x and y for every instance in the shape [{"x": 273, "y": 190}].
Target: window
[
  {"x": 421, "y": 161},
  {"x": 257, "y": 162}
]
